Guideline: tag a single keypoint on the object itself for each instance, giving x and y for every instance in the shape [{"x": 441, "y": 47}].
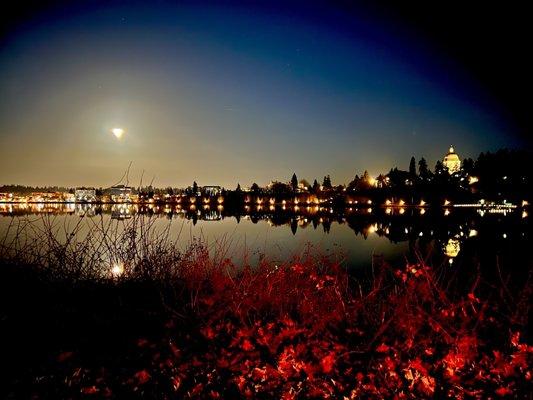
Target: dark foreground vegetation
[{"x": 201, "y": 328}]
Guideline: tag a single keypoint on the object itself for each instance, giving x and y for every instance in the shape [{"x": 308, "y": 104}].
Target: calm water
[{"x": 356, "y": 236}]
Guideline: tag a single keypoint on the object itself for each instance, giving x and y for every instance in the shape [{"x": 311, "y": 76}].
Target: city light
[{"x": 117, "y": 269}]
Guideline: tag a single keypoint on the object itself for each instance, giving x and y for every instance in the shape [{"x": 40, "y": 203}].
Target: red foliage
[
  {"x": 303, "y": 330},
  {"x": 142, "y": 377}
]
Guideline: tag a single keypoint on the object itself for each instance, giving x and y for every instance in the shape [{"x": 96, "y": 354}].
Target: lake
[{"x": 357, "y": 237}]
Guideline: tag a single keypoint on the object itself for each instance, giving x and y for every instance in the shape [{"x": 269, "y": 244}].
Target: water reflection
[{"x": 449, "y": 228}]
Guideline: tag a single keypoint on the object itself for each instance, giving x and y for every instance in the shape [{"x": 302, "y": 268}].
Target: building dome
[{"x": 452, "y": 161}]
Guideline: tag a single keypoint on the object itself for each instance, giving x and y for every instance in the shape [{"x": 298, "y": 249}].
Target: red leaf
[
  {"x": 503, "y": 391},
  {"x": 382, "y": 348},
  {"x": 327, "y": 363},
  {"x": 142, "y": 376},
  {"x": 247, "y": 345},
  {"x": 89, "y": 390},
  {"x": 64, "y": 356}
]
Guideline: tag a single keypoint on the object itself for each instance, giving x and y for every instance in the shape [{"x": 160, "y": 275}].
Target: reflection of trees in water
[
  {"x": 449, "y": 230},
  {"x": 294, "y": 225}
]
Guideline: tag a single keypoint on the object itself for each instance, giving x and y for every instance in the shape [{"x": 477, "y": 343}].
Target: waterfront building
[
  {"x": 120, "y": 193},
  {"x": 6, "y": 197},
  {"x": 452, "y": 161},
  {"x": 212, "y": 190},
  {"x": 85, "y": 195}
]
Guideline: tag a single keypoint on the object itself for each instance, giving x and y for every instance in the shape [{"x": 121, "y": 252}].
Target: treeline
[
  {"x": 24, "y": 190},
  {"x": 491, "y": 174}
]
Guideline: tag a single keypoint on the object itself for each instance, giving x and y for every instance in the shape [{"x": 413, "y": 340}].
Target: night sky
[{"x": 233, "y": 92}]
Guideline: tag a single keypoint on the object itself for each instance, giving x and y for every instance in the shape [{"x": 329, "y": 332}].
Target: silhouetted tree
[
  {"x": 255, "y": 188},
  {"x": 423, "y": 170},
  {"x": 397, "y": 177},
  {"x": 382, "y": 180},
  {"x": 412, "y": 168},
  {"x": 316, "y": 187},
  {"x": 280, "y": 188},
  {"x": 440, "y": 169},
  {"x": 442, "y": 177},
  {"x": 354, "y": 184},
  {"x": 326, "y": 183},
  {"x": 194, "y": 188},
  {"x": 294, "y": 182},
  {"x": 468, "y": 166},
  {"x": 294, "y": 225},
  {"x": 238, "y": 190}
]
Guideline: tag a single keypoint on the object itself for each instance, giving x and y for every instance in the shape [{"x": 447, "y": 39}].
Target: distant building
[
  {"x": 85, "y": 195},
  {"x": 120, "y": 193},
  {"x": 212, "y": 190},
  {"x": 452, "y": 161},
  {"x": 6, "y": 197}
]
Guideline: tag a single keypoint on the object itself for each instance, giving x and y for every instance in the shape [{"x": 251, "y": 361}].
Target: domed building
[{"x": 452, "y": 161}]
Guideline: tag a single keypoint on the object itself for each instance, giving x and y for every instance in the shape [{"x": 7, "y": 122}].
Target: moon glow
[{"x": 118, "y": 132}]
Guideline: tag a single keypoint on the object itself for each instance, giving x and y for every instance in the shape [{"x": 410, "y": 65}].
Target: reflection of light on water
[
  {"x": 452, "y": 248},
  {"x": 117, "y": 269}
]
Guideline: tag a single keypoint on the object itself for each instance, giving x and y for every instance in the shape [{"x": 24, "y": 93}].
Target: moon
[{"x": 118, "y": 132}]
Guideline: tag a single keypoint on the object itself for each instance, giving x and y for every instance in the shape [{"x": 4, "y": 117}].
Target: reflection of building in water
[
  {"x": 211, "y": 215},
  {"x": 452, "y": 161},
  {"x": 88, "y": 210},
  {"x": 120, "y": 193},
  {"x": 121, "y": 211},
  {"x": 83, "y": 195},
  {"x": 452, "y": 248}
]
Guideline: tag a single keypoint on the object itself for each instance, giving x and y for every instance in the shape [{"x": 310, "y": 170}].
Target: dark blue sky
[{"x": 229, "y": 93}]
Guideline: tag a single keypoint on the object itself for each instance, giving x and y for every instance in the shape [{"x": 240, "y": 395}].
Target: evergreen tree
[
  {"x": 423, "y": 171},
  {"x": 294, "y": 182},
  {"x": 194, "y": 188},
  {"x": 354, "y": 183},
  {"x": 316, "y": 187},
  {"x": 468, "y": 166},
  {"x": 326, "y": 183},
  {"x": 412, "y": 168},
  {"x": 440, "y": 169}
]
